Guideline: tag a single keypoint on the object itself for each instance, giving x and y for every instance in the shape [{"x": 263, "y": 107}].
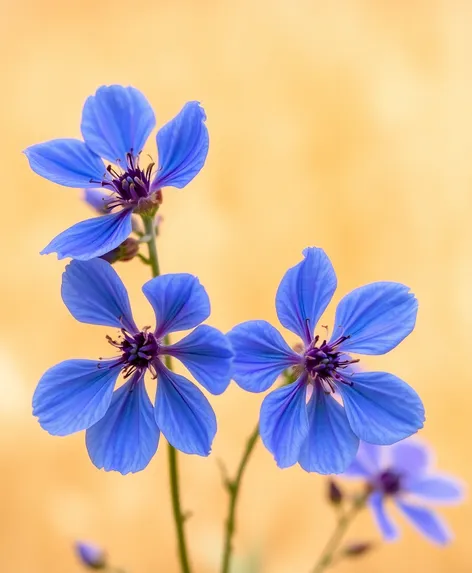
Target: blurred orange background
[{"x": 342, "y": 124}]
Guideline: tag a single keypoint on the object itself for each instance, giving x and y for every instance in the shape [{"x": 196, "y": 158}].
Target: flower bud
[
  {"x": 335, "y": 495},
  {"x": 128, "y": 249},
  {"x": 358, "y": 548},
  {"x": 91, "y": 555}
]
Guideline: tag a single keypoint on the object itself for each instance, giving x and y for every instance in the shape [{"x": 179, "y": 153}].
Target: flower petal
[
  {"x": 304, "y": 293},
  {"x": 375, "y": 317},
  {"x": 94, "y": 293},
  {"x": 436, "y": 488},
  {"x": 97, "y": 199},
  {"x": 427, "y": 522},
  {"x": 411, "y": 457},
  {"x": 92, "y": 238},
  {"x": 183, "y": 414},
  {"x": 73, "y": 395},
  {"x": 179, "y": 301},
  {"x": 115, "y": 121},
  {"x": 207, "y": 354},
  {"x": 67, "y": 162},
  {"x": 126, "y": 438},
  {"x": 386, "y": 525},
  {"x": 368, "y": 461},
  {"x": 284, "y": 422},
  {"x": 381, "y": 408},
  {"x": 183, "y": 147},
  {"x": 261, "y": 355},
  {"x": 331, "y": 445}
]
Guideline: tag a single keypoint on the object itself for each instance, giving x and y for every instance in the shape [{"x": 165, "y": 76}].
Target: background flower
[{"x": 404, "y": 473}]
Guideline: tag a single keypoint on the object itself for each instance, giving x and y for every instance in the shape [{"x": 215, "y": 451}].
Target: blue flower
[
  {"x": 403, "y": 473},
  {"x": 122, "y": 427},
  {"x": 302, "y": 421},
  {"x": 116, "y": 123},
  {"x": 91, "y": 555}
]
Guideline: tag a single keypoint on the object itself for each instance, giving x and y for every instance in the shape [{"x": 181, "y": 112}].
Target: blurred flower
[
  {"x": 122, "y": 428},
  {"x": 116, "y": 123},
  {"x": 403, "y": 473},
  {"x": 91, "y": 555},
  {"x": 301, "y": 422}
]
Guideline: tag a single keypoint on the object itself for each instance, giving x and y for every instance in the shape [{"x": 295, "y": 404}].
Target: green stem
[
  {"x": 327, "y": 555},
  {"x": 233, "y": 489},
  {"x": 173, "y": 465}
]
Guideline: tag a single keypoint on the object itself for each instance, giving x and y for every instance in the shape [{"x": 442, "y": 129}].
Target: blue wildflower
[
  {"x": 116, "y": 123},
  {"x": 302, "y": 422},
  {"x": 122, "y": 428},
  {"x": 91, "y": 555},
  {"x": 403, "y": 473}
]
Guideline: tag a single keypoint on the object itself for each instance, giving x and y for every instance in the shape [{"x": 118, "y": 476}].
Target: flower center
[
  {"x": 137, "y": 351},
  {"x": 389, "y": 482},
  {"x": 323, "y": 362},
  {"x": 132, "y": 187}
]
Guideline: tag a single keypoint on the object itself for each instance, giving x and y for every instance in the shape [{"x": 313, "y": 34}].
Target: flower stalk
[
  {"x": 328, "y": 554},
  {"x": 179, "y": 517}
]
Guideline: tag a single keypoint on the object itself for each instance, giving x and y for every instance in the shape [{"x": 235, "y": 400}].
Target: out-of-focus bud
[
  {"x": 91, "y": 555},
  {"x": 358, "y": 548},
  {"x": 128, "y": 249},
  {"x": 335, "y": 495}
]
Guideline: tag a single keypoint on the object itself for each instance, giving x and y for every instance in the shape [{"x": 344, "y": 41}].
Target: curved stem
[
  {"x": 327, "y": 555},
  {"x": 179, "y": 517},
  {"x": 233, "y": 489}
]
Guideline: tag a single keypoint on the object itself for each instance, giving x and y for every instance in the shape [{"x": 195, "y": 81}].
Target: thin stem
[
  {"x": 233, "y": 489},
  {"x": 344, "y": 521},
  {"x": 179, "y": 517}
]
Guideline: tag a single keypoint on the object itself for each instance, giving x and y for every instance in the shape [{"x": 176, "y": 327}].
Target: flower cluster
[{"x": 316, "y": 420}]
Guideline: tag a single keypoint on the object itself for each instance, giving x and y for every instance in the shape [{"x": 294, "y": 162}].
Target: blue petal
[
  {"x": 126, "y": 438},
  {"x": 436, "y": 488},
  {"x": 305, "y": 292},
  {"x": 67, "y": 162},
  {"x": 426, "y": 522},
  {"x": 73, "y": 395},
  {"x": 183, "y": 414},
  {"x": 375, "y": 318},
  {"x": 207, "y": 354},
  {"x": 183, "y": 147},
  {"x": 385, "y": 524},
  {"x": 368, "y": 461},
  {"x": 410, "y": 457},
  {"x": 284, "y": 422},
  {"x": 97, "y": 199},
  {"x": 381, "y": 408},
  {"x": 179, "y": 301},
  {"x": 92, "y": 238},
  {"x": 117, "y": 121},
  {"x": 331, "y": 445},
  {"x": 261, "y": 355},
  {"x": 94, "y": 293}
]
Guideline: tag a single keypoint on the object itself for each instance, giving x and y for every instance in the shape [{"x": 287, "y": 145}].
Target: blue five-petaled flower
[
  {"x": 122, "y": 426},
  {"x": 403, "y": 473},
  {"x": 302, "y": 422},
  {"x": 116, "y": 123}
]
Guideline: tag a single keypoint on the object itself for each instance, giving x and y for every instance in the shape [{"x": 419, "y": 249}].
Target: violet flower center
[
  {"x": 132, "y": 186},
  {"x": 389, "y": 482},
  {"x": 138, "y": 351},
  {"x": 323, "y": 363}
]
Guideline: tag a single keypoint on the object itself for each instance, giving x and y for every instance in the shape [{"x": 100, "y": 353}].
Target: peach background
[{"x": 343, "y": 124}]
